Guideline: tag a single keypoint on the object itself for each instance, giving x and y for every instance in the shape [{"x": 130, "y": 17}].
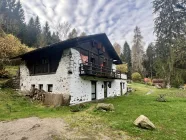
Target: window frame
[
  {"x": 40, "y": 85},
  {"x": 50, "y": 86}
]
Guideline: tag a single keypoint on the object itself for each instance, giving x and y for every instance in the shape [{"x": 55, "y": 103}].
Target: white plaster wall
[
  {"x": 100, "y": 90},
  {"x": 80, "y": 87},
  {"x": 124, "y": 76},
  {"x": 60, "y": 79}
]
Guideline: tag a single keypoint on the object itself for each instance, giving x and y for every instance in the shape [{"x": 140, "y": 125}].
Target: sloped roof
[{"x": 70, "y": 43}]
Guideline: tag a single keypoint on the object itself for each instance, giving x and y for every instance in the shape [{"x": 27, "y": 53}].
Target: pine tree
[
  {"x": 3, "y": 15},
  {"x": 73, "y": 34},
  {"x": 137, "y": 51},
  {"x": 37, "y": 31},
  {"x": 8, "y": 18},
  {"x": 149, "y": 61},
  {"x": 169, "y": 28},
  {"x": 126, "y": 57},
  {"x": 55, "y": 38},
  {"x": 31, "y": 33},
  {"x": 12, "y": 18},
  {"x": 19, "y": 13},
  {"x": 47, "y": 34},
  {"x": 20, "y": 19},
  {"x": 83, "y": 34}
]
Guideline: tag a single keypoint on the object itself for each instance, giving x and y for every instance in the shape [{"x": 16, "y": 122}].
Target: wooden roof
[{"x": 72, "y": 43}]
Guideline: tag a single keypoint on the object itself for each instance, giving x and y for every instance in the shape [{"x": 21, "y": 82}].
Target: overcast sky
[{"x": 116, "y": 18}]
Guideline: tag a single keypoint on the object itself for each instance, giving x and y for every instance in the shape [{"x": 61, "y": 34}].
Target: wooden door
[{"x": 121, "y": 88}]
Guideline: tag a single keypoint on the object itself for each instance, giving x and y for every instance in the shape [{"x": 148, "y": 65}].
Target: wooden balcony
[{"x": 89, "y": 69}]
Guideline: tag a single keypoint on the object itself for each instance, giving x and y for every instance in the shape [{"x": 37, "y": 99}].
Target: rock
[
  {"x": 143, "y": 122},
  {"x": 103, "y": 106},
  {"x": 158, "y": 86},
  {"x": 24, "y": 138},
  {"x": 35, "y": 126},
  {"x": 150, "y": 92}
]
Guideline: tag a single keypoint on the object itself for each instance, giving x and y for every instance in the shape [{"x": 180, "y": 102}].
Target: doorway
[
  {"x": 93, "y": 90},
  {"x": 105, "y": 89},
  {"x": 121, "y": 88}
]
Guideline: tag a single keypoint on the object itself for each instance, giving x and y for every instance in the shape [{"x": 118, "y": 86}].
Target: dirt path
[{"x": 47, "y": 129}]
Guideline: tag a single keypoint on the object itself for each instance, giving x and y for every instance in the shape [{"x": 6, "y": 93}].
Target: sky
[{"x": 116, "y": 18}]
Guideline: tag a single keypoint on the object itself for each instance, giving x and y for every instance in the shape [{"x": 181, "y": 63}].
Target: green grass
[
  {"x": 169, "y": 117},
  {"x": 14, "y": 106},
  {"x": 12, "y": 70}
]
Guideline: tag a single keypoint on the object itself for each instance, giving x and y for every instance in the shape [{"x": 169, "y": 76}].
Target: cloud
[{"x": 117, "y": 18}]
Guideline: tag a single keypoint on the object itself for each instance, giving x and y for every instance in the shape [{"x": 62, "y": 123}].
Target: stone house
[{"x": 83, "y": 67}]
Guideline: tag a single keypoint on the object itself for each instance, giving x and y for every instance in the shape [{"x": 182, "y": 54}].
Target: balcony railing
[{"x": 98, "y": 71}]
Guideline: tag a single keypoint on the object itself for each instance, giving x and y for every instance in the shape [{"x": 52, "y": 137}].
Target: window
[
  {"x": 41, "y": 86},
  {"x": 32, "y": 86},
  {"x": 109, "y": 84},
  {"x": 50, "y": 88},
  {"x": 92, "y": 60},
  {"x": 42, "y": 66}
]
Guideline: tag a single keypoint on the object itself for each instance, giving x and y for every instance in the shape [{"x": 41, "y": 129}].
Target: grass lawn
[{"x": 169, "y": 117}]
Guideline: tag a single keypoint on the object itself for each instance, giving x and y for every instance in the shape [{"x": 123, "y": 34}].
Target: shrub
[
  {"x": 136, "y": 77},
  {"x": 8, "y": 84},
  {"x": 1, "y": 66},
  {"x": 177, "y": 83},
  {"x": 11, "y": 46},
  {"x": 123, "y": 68},
  {"x": 4, "y": 74}
]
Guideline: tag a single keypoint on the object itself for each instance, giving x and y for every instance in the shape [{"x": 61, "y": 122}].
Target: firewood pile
[
  {"x": 49, "y": 99},
  {"x": 37, "y": 94}
]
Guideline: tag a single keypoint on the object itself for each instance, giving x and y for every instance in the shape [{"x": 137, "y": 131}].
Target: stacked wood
[{"x": 37, "y": 94}]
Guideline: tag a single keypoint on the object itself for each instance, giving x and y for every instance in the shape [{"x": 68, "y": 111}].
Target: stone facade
[{"x": 66, "y": 80}]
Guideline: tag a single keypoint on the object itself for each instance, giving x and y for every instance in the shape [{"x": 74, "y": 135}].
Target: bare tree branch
[{"x": 63, "y": 30}]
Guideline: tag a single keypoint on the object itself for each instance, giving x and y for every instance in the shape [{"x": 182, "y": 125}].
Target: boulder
[
  {"x": 143, "y": 122},
  {"x": 158, "y": 86},
  {"x": 103, "y": 106}
]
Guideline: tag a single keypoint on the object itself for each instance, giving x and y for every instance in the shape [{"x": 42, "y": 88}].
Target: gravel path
[{"x": 43, "y": 129}]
